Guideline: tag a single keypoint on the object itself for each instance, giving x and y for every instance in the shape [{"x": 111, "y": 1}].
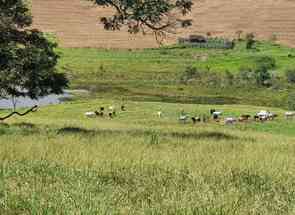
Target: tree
[
  {"x": 159, "y": 16},
  {"x": 27, "y": 57}
]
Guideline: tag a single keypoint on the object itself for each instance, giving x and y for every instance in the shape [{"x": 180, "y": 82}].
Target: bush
[
  {"x": 290, "y": 75},
  {"x": 265, "y": 62},
  {"x": 246, "y": 76},
  {"x": 190, "y": 73},
  {"x": 263, "y": 77},
  {"x": 291, "y": 101},
  {"x": 229, "y": 79},
  {"x": 250, "y": 40}
]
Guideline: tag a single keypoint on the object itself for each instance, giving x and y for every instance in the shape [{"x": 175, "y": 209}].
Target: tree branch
[{"x": 33, "y": 109}]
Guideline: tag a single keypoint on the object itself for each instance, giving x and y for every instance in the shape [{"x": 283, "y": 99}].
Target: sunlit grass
[{"x": 56, "y": 161}]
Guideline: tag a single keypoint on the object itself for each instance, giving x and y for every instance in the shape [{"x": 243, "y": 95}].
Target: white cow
[
  {"x": 290, "y": 115},
  {"x": 159, "y": 114},
  {"x": 230, "y": 120},
  {"x": 263, "y": 113},
  {"x": 183, "y": 118},
  {"x": 90, "y": 114}
]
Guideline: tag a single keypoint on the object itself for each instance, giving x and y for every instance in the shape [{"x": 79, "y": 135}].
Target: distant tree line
[{"x": 198, "y": 41}]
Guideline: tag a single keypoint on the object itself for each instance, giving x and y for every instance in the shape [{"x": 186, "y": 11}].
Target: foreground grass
[{"x": 58, "y": 162}]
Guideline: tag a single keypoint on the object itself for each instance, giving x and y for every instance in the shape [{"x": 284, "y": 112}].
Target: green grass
[
  {"x": 56, "y": 161},
  {"x": 154, "y": 74}
]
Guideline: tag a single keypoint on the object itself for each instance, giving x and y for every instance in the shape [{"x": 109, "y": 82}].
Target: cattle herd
[{"x": 214, "y": 115}]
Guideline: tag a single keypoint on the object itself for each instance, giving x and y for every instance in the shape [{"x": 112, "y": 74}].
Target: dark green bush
[
  {"x": 190, "y": 73},
  {"x": 245, "y": 76},
  {"x": 291, "y": 101},
  {"x": 263, "y": 77},
  {"x": 250, "y": 40},
  {"x": 290, "y": 75},
  {"x": 265, "y": 62}
]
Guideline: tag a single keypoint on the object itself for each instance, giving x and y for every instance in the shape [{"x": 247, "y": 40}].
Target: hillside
[{"x": 76, "y": 24}]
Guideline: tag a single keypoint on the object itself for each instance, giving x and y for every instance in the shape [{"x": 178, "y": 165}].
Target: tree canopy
[
  {"x": 159, "y": 16},
  {"x": 27, "y": 57}
]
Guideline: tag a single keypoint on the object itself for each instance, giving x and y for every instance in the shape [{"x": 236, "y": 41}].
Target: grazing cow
[
  {"x": 230, "y": 120},
  {"x": 272, "y": 116},
  {"x": 196, "y": 119},
  {"x": 111, "y": 108},
  {"x": 123, "y": 108},
  {"x": 183, "y": 118},
  {"x": 90, "y": 114},
  {"x": 256, "y": 117},
  {"x": 263, "y": 118},
  {"x": 101, "y": 109},
  {"x": 159, "y": 114},
  {"x": 111, "y": 115},
  {"x": 100, "y": 113},
  {"x": 290, "y": 115},
  {"x": 212, "y": 111},
  {"x": 216, "y": 115},
  {"x": 265, "y": 115},
  {"x": 244, "y": 117}
]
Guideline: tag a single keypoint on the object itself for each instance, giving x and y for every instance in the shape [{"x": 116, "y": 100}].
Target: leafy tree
[
  {"x": 159, "y": 16},
  {"x": 27, "y": 58}
]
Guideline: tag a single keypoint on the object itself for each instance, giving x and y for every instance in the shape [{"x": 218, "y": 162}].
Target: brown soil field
[{"x": 76, "y": 22}]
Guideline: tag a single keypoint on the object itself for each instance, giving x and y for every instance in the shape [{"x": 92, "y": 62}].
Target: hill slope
[{"x": 76, "y": 24}]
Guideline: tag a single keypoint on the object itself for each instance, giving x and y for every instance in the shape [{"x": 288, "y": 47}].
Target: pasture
[
  {"x": 58, "y": 161},
  {"x": 154, "y": 74}
]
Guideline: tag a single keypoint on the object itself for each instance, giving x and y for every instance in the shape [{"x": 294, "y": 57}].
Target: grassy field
[
  {"x": 154, "y": 74},
  {"x": 56, "y": 161}
]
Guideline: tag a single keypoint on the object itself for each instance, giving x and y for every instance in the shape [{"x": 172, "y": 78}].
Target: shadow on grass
[
  {"x": 25, "y": 125},
  {"x": 76, "y": 130},
  {"x": 18, "y": 128},
  {"x": 141, "y": 133},
  {"x": 205, "y": 135}
]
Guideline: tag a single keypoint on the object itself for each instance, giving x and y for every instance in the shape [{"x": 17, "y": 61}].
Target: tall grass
[{"x": 58, "y": 162}]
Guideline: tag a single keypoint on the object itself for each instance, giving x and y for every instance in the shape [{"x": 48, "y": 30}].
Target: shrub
[
  {"x": 250, "y": 40},
  {"x": 213, "y": 79},
  {"x": 290, "y": 75},
  {"x": 265, "y": 62},
  {"x": 263, "y": 77},
  {"x": 273, "y": 38},
  {"x": 246, "y": 76},
  {"x": 190, "y": 73},
  {"x": 228, "y": 78},
  {"x": 291, "y": 101}
]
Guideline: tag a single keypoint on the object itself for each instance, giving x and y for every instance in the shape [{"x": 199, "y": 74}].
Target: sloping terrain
[{"x": 76, "y": 24}]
